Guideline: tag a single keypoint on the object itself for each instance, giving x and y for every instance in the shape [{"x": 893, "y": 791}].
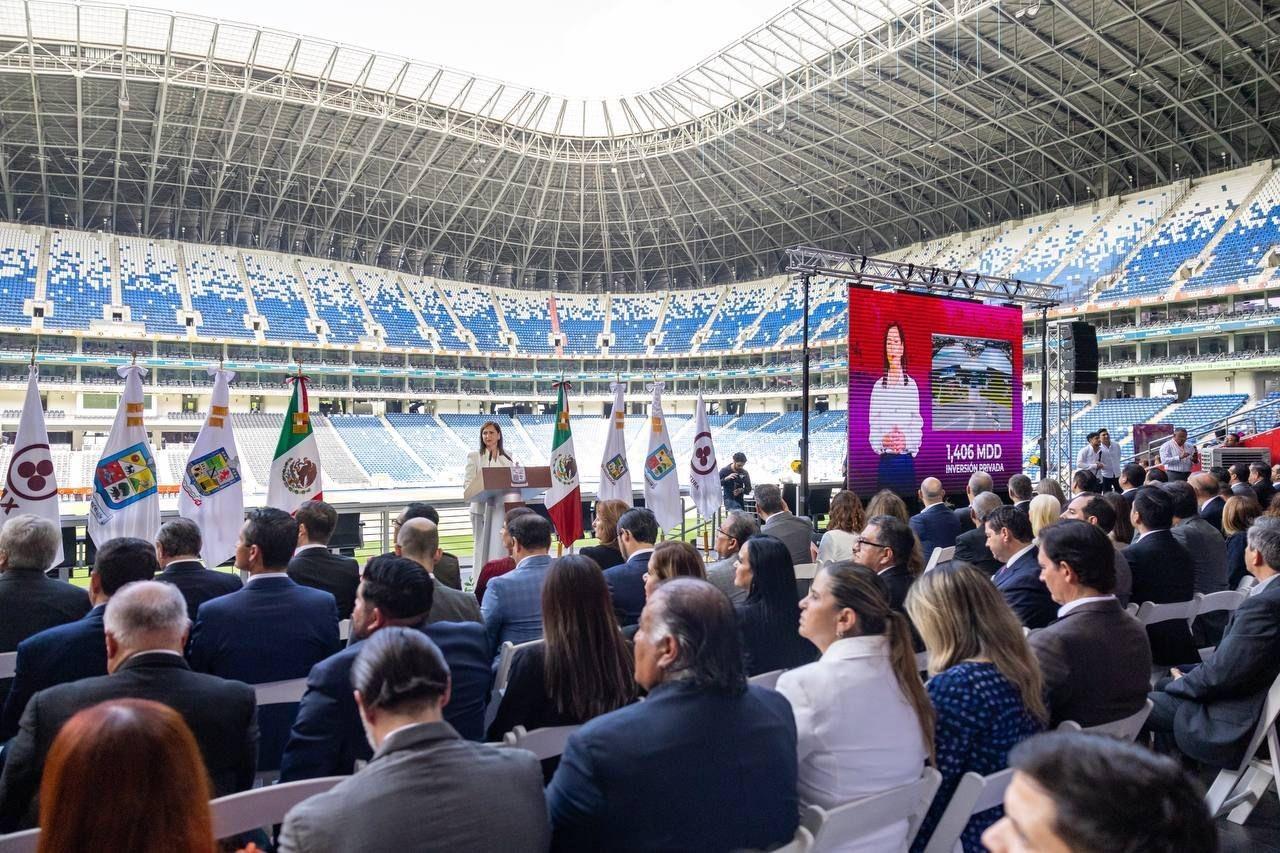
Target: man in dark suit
[
  {"x": 778, "y": 521},
  {"x": 885, "y": 546},
  {"x": 1097, "y": 511},
  {"x": 1213, "y": 709},
  {"x": 1009, "y": 537},
  {"x": 1163, "y": 572},
  {"x": 327, "y": 738},
  {"x": 1203, "y": 542},
  {"x": 446, "y": 569},
  {"x": 980, "y": 482},
  {"x": 1209, "y": 501},
  {"x": 1239, "y": 474},
  {"x": 1020, "y": 492},
  {"x": 935, "y": 525},
  {"x": 178, "y": 546},
  {"x": 1095, "y": 657},
  {"x": 637, "y": 531},
  {"x": 314, "y": 565},
  {"x": 76, "y": 650},
  {"x": 29, "y": 601},
  {"x": 1132, "y": 477},
  {"x": 146, "y": 629},
  {"x": 512, "y": 606},
  {"x": 612, "y": 790},
  {"x": 971, "y": 546},
  {"x": 272, "y": 630},
  {"x": 419, "y": 540},
  {"x": 422, "y": 786},
  {"x": 1260, "y": 480}
]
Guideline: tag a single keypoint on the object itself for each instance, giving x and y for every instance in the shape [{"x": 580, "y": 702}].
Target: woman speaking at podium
[
  {"x": 894, "y": 417},
  {"x": 490, "y": 455}
]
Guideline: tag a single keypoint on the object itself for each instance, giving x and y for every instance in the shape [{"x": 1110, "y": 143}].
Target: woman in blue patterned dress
[{"x": 986, "y": 685}]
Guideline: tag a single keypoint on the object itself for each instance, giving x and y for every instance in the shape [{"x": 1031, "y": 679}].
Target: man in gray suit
[
  {"x": 738, "y": 526},
  {"x": 421, "y": 789},
  {"x": 1239, "y": 473},
  {"x": 1095, "y": 657},
  {"x": 418, "y": 539},
  {"x": 778, "y": 521},
  {"x": 1207, "y": 548}
]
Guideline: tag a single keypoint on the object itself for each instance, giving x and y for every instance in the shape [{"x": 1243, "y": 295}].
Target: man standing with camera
[{"x": 736, "y": 481}]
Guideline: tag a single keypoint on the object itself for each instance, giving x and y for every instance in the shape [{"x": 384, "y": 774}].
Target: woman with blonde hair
[
  {"x": 605, "y": 526},
  {"x": 672, "y": 559},
  {"x": 1044, "y": 511},
  {"x": 986, "y": 685},
  {"x": 845, "y": 522},
  {"x": 885, "y": 502},
  {"x": 864, "y": 723}
]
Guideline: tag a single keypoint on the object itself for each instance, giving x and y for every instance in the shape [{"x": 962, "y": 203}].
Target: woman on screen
[
  {"x": 490, "y": 455},
  {"x": 894, "y": 417}
]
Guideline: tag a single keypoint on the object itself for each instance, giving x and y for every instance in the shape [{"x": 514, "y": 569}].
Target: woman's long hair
[
  {"x": 1044, "y": 511},
  {"x": 902, "y": 338},
  {"x": 501, "y": 450},
  {"x": 676, "y": 559},
  {"x": 847, "y": 513},
  {"x": 885, "y": 502},
  {"x": 771, "y": 613},
  {"x": 1122, "y": 530},
  {"x": 609, "y": 511},
  {"x": 962, "y": 616},
  {"x": 589, "y": 666},
  {"x": 125, "y": 775},
  {"x": 1239, "y": 513},
  {"x": 856, "y": 587}
]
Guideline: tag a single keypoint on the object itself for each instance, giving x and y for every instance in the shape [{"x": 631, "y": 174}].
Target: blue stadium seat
[
  {"x": 217, "y": 292},
  {"x": 375, "y": 449},
  {"x": 278, "y": 296},
  {"x": 149, "y": 285},
  {"x": 528, "y": 316},
  {"x": 633, "y": 318},
  {"x": 79, "y": 279},
  {"x": 334, "y": 302},
  {"x": 388, "y": 306},
  {"x": 19, "y": 259},
  {"x": 475, "y": 311}
]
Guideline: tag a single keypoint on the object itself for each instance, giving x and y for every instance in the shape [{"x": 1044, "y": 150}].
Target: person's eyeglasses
[
  {"x": 864, "y": 541},
  {"x": 722, "y": 533}
]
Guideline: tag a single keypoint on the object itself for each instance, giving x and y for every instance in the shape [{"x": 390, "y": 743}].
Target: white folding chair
[
  {"x": 939, "y": 555},
  {"x": 1068, "y": 726},
  {"x": 1151, "y": 613},
  {"x": 806, "y": 571},
  {"x": 836, "y": 827},
  {"x": 766, "y": 679},
  {"x": 263, "y": 807},
  {"x": 1246, "y": 583},
  {"x": 545, "y": 743},
  {"x": 8, "y": 664},
  {"x": 23, "y": 842},
  {"x": 344, "y": 630},
  {"x": 1127, "y": 728},
  {"x": 975, "y": 793},
  {"x": 280, "y": 692},
  {"x": 1131, "y": 608},
  {"x": 1237, "y": 792}
]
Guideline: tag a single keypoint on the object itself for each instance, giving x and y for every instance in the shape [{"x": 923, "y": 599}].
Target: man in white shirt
[
  {"x": 1178, "y": 456},
  {"x": 1109, "y": 455},
  {"x": 1089, "y": 459}
]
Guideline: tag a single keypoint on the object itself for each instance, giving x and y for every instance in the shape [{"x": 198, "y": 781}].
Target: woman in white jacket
[
  {"x": 864, "y": 723},
  {"x": 490, "y": 455},
  {"x": 894, "y": 423}
]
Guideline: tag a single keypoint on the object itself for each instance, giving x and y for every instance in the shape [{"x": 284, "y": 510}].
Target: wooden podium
[{"x": 500, "y": 494}]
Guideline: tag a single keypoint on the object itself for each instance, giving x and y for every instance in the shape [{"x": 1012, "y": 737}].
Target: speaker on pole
[{"x": 1084, "y": 359}]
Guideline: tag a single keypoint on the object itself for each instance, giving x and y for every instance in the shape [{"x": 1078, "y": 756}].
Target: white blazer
[
  {"x": 857, "y": 734},
  {"x": 472, "y": 481},
  {"x": 836, "y": 545}
]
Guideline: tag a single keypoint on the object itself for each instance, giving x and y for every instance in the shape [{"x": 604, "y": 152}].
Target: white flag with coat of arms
[
  {"x": 31, "y": 487},
  {"x": 212, "y": 493},
  {"x": 126, "y": 488},
  {"x": 615, "y": 473},
  {"x": 661, "y": 482},
  {"x": 704, "y": 478}
]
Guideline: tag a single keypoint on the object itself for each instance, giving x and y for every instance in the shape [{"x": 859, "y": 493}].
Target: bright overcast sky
[{"x": 568, "y": 47}]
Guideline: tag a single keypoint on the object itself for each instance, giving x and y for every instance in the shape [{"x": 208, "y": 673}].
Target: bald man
[
  {"x": 418, "y": 539},
  {"x": 935, "y": 525}
]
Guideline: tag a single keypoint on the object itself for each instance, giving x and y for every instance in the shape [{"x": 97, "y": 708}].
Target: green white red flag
[
  {"x": 564, "y": 498},
  {"x": 295, "y": 473}
]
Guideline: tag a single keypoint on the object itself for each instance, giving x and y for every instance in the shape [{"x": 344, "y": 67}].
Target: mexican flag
[
  {"x": 295, "y": 473},
  {"x": 564, "y": 498}
]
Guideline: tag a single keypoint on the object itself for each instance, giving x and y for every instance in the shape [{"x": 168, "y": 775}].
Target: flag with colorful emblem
[
  {"x": 564, "y": 498},
  {"x": 30, "y": 487},
  {"x": 126, "y": 488},
  {"x": 615, "y": 474},
  {"x": 295, "y": 472},
  {"x": 704, "y": 478},
  {"x": 212, "y": 493},
  {"x": 661, "y": 482}
]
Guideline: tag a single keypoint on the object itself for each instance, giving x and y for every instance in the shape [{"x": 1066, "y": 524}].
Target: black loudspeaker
[{"x": 1084, "y": 362}]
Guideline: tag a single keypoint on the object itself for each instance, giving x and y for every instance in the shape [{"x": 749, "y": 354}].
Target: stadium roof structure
[{"x": 854, "y": 125}]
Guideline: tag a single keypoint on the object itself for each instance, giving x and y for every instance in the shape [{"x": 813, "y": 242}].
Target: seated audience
[
  {"x": 1132, "y": 477},
  {"x": 1085, "y": 482},
  {"x": 1020, "y": 491},
  {"x": 272, "y": 630},
  {"x": 1202, "y": 540},
  {"x": 886, "y": 502},
  {"x": 886, "y": 546},
  {"x": 1099, "y": 511},
  {"x": 178, "y": 547},
  {"x": 125, "y": 775},
  {"x": 1083, "y": 793},
  {"x": 605, "y": 526},
  {"x": 1238, "y": 516},
  {"x": 935, "y": 525},
  {"x": 769, "y": 617},
  {"x": 583, "y": 670},
  {"x": 971, "y": 546},
  {"x": 637, "y": 531},
  {"x": 419, "y": 540},
  {"x": 512, "y": 607},
  {"x": 1163, "y": 572},
  {"x": 499, "y": 566},
  {"x": 736, "y": 527},
  {"x": 985, "y": 686},
  {"x": 614, "y": 787},
  {"x": 844, "y": 523},
  {"x": 1239, "y": 474},
  {"x": 1156, "y": 476},
  {"x": 1260, "y": 481},
  {"x": 1122, "y": 532},
  {"x": 1018, "y": 580},
  {"x": 30, "y": 601},
  {"x": 314, "y": 565},
  {"x": 422, "y": 788},
  {"x": 1049, "y": 486},
  {"x": 777, "y": 520},
  {"x": 864, "y": 723},
  {"x": 446, "y": 569},
  {"x": 146, "y": 630},
  {"x": 672, "y": 559},
  {"x": 76, "y": 650},
  {"x": 326, "y": 739},
  {"x": 980, "y": 482},
  {"x": 1209, "y": 501},
  {"x": 1213, "y": 709},
  {"x": 1095, "y": 658},
  {"x": 1045, "y": 510}
]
